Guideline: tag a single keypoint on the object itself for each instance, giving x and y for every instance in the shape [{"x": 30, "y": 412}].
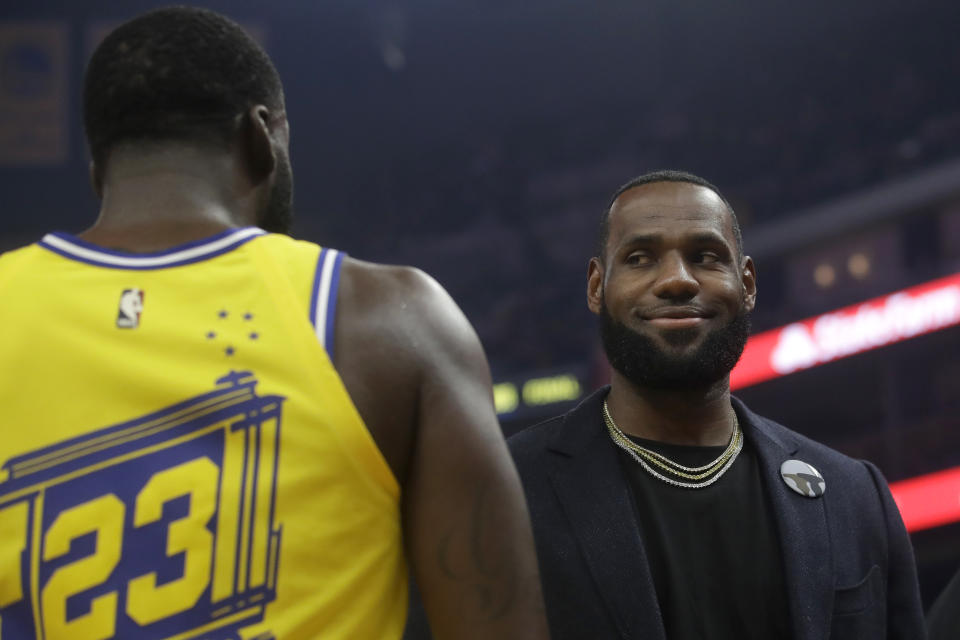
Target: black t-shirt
[{"x": 714, "y": 552}]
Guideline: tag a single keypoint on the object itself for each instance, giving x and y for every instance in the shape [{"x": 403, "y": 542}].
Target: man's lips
[
  {"x": 676, "y": 317},
  {"x": 677, "y": 323}
]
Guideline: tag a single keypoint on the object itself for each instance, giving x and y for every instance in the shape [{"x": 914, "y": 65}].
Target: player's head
[
  {"x": 664, "y": 175},
  {"x": 671, "y": 285},
  {"x": 186, "y": 75}
]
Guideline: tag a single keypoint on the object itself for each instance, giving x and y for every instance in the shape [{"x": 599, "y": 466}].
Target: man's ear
[
  {"x": 256, "y": 137},
  {"x": 595, "y": 274},
  {"x": 96, "y": 179},
  {"x": 748, "y": 276}
]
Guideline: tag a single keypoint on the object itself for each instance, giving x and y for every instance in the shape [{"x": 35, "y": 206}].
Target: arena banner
[{"x": 854, "y": 329}]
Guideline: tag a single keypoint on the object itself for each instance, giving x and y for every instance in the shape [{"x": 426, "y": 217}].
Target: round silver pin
[{"x": 803, "y": 478}]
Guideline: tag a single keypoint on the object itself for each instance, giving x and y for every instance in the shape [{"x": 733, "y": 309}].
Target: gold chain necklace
[
  {"x": 665, "y": 462},
  {"x": 643, "y": 455}
]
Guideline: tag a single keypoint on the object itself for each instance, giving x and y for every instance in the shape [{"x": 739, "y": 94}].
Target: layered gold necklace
[{"x": 677, "y": 474}]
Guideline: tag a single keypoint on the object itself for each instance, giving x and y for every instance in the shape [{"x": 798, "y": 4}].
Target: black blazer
[{"x": 849, "y": 566}]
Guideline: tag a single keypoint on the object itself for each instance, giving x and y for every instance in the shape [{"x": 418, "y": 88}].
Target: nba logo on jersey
[{"x": 131, "y": 306}]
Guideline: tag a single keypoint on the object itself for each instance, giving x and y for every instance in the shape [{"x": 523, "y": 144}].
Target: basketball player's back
[
  {"x": 180, "y": 408},
  {"x": 213, "y": 432}
]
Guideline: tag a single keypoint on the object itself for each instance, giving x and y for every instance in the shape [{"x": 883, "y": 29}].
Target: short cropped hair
[
  {"x": 665, "y": 175},
  {"x": 177, "y": 73}
]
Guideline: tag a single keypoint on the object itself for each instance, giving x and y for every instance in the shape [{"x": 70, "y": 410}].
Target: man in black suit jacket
[{"x": 665, "y": 509}]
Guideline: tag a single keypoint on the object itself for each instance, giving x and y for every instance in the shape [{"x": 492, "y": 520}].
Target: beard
[
  {"x": 644, "y": 363},
  {"x": 277, "y": 215}
]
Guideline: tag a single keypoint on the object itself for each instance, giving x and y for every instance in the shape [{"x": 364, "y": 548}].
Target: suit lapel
[
  {"x": 802, "y": 524},
  {"x": 596, "y": 499}
]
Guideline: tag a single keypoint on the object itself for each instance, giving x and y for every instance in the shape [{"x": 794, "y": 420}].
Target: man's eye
[
  {"x": 707, "y": 257},
  {"x": 638, "y": 258}
]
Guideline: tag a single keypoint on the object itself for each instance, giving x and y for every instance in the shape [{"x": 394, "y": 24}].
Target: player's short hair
[
  {"x": 664, "y": 175},
  {"x": 177, "y": 73}
]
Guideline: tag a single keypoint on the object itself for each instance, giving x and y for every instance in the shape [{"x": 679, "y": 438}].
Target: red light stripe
[
  {"x": 844, "y": 332},
  {"x": 930, "y": 500}
]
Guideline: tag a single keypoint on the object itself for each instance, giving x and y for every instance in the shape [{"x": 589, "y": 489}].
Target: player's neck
[
  {"x": 151, "y": 202},
  {"x": 701, "y": 416}
]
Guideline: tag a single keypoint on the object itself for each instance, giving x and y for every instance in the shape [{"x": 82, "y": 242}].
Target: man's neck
[
  {"x": 701, "y": 416},
  {"x": 150, "y": 237},
  {"x": 152, "y": 202}
]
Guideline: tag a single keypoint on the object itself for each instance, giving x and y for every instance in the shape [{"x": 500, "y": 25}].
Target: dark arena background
[{"x": 480, "y": 141}]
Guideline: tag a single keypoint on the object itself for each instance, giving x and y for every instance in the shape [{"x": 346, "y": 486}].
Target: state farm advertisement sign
[{"x": 861, "y": 327}]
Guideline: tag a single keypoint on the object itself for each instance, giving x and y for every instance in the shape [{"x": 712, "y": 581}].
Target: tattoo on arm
[{"x": 477, "y": 557}]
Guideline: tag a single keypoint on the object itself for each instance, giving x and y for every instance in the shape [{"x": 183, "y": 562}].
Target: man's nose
[{"x": 674, "y": 279}]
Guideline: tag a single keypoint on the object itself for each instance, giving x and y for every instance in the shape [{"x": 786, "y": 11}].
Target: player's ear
[
  {"x": 257, "y": 142},
  {"x": 748, "y": 276},
  {"x": 96, "y": 179},
  {"x": 595, "y": 273}
]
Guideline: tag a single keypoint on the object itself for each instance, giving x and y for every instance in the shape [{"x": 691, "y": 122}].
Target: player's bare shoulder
[
  {"x": 398, "y": 310},
  {"x": 397, "y": 332}
]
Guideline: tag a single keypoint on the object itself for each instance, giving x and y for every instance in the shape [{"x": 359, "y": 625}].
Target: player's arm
[
  {"x": 418, "y": 375},
  {"x": 469, "y": 536}
]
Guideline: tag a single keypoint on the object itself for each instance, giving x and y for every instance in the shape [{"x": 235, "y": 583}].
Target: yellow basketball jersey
[{"x": 179, "y": 457}]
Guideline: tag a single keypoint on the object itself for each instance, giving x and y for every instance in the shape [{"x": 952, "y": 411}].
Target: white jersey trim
[
  {"x": 72, "y": 248},
  {"x": 323, "y": 308}
]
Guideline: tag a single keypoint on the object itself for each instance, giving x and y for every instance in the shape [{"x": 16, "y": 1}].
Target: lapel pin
[{"x": 803, "y": 478}]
